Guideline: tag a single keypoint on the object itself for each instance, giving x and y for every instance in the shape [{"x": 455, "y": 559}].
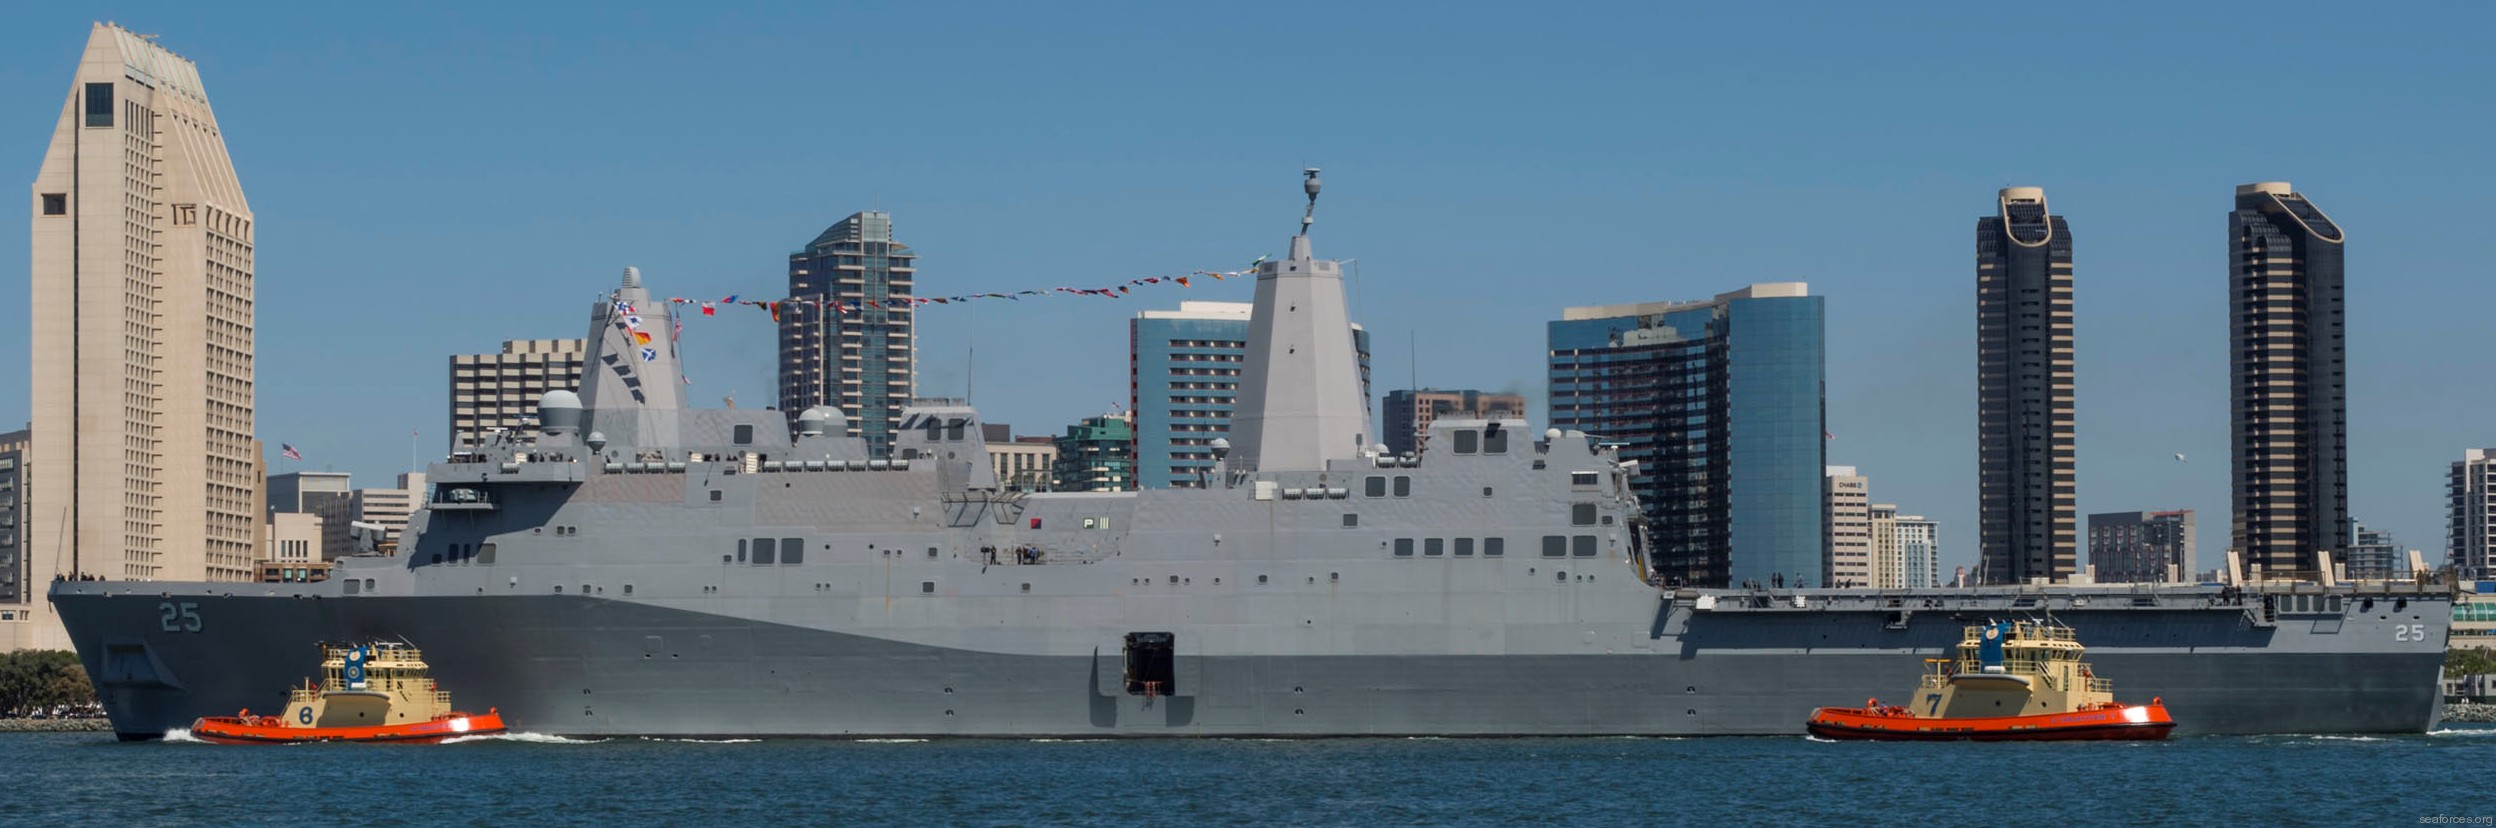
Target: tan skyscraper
[
  {"x": 142, "y": 334},
  {"x": 500, "y": 391}
]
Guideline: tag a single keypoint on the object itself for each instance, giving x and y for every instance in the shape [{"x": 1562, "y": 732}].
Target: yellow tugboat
[
  {"x": 2012, "y": 681},
  {"x": 368, "y": 693}
]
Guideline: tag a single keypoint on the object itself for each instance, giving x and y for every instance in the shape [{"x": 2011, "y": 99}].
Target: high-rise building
[
  {"x": 2027, "y": 482},
  {"x": 1906, "y": 549},
  {"x": 1096, "y": 455},
  {"x": 17, "y": 585},
  {"x": 1846, "y": 508},
  {"x": 294, "y": 549},
  {"x": 841, "y": 344},
  {"x": 1406, "y": 415},
  {"x": 2373, "y": 555},
  {"x": 2470, "y": 523},
  {"x": 1719, "y": 402},
  {"x": 1024, "y": 464},
  {"x": 2289, "y": 386},
  {"x": 2141, "y": 547},
  {"x": 491, "y": 392},
  {"x": 1183, "y": 373},
  {"x": 142, "y": 249}
]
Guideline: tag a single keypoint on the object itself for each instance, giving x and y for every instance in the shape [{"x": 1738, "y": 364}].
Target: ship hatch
[{"x": 1152, "y": 666}]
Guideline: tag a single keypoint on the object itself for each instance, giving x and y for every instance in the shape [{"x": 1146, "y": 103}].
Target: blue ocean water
[{"x": 90, "y": 779}]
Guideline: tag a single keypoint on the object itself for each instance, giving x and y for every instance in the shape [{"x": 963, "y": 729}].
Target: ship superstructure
[{"x": 642, "y": 567}]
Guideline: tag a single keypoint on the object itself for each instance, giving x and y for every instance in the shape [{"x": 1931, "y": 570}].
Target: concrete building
[
  {"x": 18, "y": 589},
  {"x": 1846, "y": 508},
  {"x": 1183, "y": 374},
  {"x": 2027, "y": 480},
  {"x": 389, "y": 508},
  {"x": 1096, "y": 455},
  {"x": 500, "y": 391},
  {"x": 1906, "y": 549},
  {"x": 861, "y": 356},
  {"x": 294, "y": 549},
  {"x": 2288, "y": 443},
  {"x": 1024, "y": 464},
  {"x": 1719, "y": 402},
  {"x": 2141, "y": 547},
  {"x": 2373, "y": 555},
  {"x": 328, "y": 496},
  {"x": 2470, "y": 514},
  {"x": 1406, "y": 415},
  {"x": 142, "y": 248}
]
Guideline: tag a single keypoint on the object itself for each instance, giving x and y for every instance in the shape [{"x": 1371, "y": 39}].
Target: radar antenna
[{"x": 1309, "y": 217}]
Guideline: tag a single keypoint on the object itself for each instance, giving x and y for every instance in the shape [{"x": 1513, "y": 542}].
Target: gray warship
[{"x": 641, "y": 567}]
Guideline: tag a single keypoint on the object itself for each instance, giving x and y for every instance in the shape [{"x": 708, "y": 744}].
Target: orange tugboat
[
  {"x": 367, "y": 693},
  {"x": 2012, "y": 681}
]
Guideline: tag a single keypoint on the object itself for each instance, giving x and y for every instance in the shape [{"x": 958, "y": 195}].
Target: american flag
[{"x": 289, "y": 451}]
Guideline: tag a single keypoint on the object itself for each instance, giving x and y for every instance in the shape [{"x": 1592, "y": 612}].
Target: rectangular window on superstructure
[
  {"x": 1582, "y": 546},
  {"x": 99, "y": 104},
  {"x": 1434, "y": 547},
  {"x": 1403, "y": 547},
  {"x": 1374, "y": 486},
  {"x": 1555, "y": 546},
  {"x": 1582, "y": 514},
  {"x": 763, "y": 548},
  {"x": 792, "y": 550},
  {"x": 1464, "y": 547}
]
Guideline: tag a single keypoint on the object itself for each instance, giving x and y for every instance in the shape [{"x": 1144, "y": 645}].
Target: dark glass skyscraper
[
  {"x": 2027, "y": 477},
  {"x": 860, "y": 359},
  {"x": 2289, "y": 397},
  {"x": 1720, "y": 404}
]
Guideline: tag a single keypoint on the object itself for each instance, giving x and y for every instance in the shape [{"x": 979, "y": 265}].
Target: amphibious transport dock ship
[{"x": 641, "y": 567}]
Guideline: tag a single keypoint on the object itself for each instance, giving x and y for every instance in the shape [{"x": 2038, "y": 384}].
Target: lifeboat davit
[
  {"x": 367, "y": 693},
  {"x": 2012, "y": 681}
]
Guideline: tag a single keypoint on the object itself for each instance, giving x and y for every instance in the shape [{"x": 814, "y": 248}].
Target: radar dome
[
  {"x": 559, "y": 412},
  {"x": 812, "y": 421}
]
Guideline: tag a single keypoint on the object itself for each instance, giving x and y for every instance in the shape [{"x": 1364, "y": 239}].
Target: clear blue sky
[{"x": 432, "y": 182}]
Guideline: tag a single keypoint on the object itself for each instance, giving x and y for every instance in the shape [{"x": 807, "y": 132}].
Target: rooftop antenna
[{"x": 1309, "y": 217}]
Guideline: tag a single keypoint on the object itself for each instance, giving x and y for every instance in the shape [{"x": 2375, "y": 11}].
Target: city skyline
[{"x": 1032, "y": 208}]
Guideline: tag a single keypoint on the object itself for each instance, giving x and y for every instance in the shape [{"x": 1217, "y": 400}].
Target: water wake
[
  {"x": 183, "y": 735},
  {"x": 2455, "y": 731},
  {"x": 701, "y": 741},
  {"x": 890, "y": 741},
  {"x": 531, "y": 738}
]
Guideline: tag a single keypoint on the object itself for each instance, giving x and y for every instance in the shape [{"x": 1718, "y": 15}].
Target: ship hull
[{"x": 585, "y": 666}]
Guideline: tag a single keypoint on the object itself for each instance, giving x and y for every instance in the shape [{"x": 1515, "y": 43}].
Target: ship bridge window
[
  {"x": 1581, "y": 514},
  {"x": 1464, "y": 547},
  {"x": 1584, "y": 478},
  {"x": 763, "y": 551},
  {"x": 1403, "y": 547},
  {"x": 1494, "y": 440},
  {"x": 1468, "y": 441},
  {"x": 1582, "y": 546},
  {"x": 1374, "y": 486},
  {"x": 792, "y": 550},
  {"x": 1494, "y": 547},
  {"x": 1403, "y": 486},
  {"x": 953, "y": 430},
  {"x": 1555, "y": 546},
  {"x": 742, "y": 435},
  {"x": 1434, "y": 547}
]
